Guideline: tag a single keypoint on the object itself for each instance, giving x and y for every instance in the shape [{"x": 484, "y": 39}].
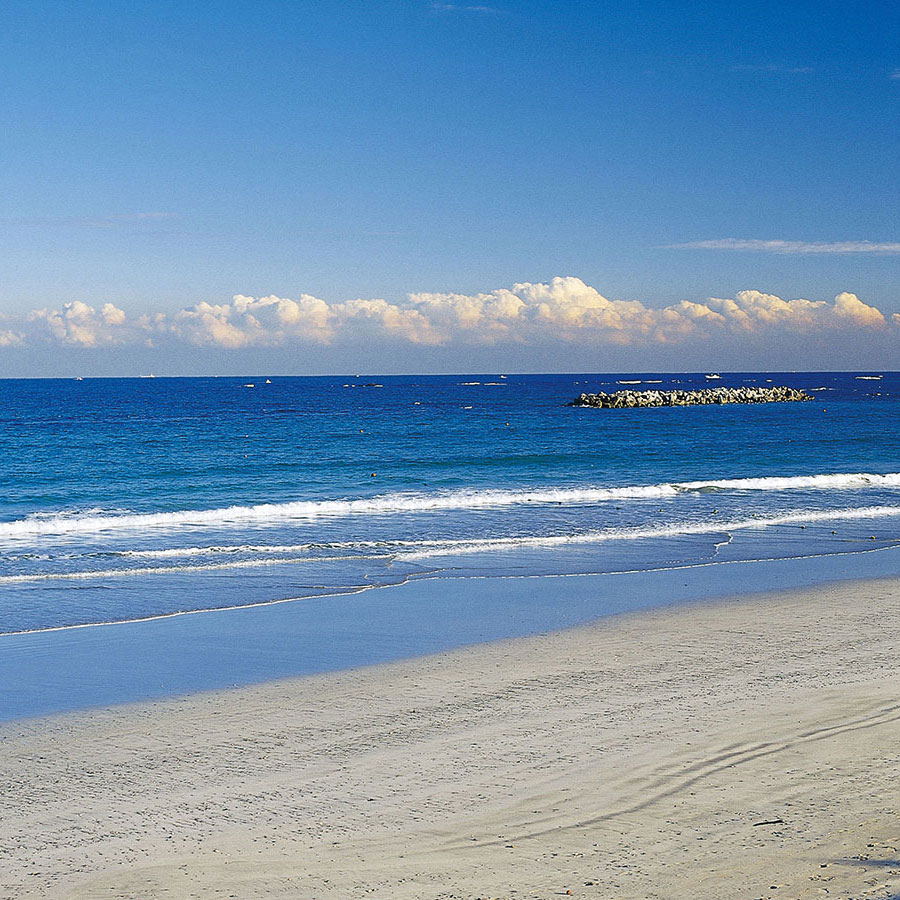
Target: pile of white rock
[{"x": 628, "y": 399}]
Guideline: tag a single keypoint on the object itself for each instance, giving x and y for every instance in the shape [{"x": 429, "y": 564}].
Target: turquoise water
[{"x": 361, "y": 500}]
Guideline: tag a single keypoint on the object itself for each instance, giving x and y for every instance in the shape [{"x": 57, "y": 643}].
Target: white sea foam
[
  {"x": 175, "y": 570},
  {"x": 386, "y": 504},
  {"x": 664, "y": 531},
  {"x": 235, "y": 549},
  {"x": 412, "y": 550},
  {"x": 839, "y": 481}
]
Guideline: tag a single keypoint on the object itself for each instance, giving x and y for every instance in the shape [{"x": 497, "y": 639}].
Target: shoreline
[
  {"x": 642, "y": 753},
  {"x": 185, "y": 654}
]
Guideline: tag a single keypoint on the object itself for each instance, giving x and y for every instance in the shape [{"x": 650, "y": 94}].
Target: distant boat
[
  {"x": 268, "y": 381},
  {"x": 868, "y": 378},
  {"x": 151, "y": 375},
  {"x": 79, "y": 378},
  {"x": 713, "y": 376}
]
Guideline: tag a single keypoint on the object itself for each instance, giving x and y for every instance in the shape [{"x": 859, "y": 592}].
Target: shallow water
[{"x": 135, "y": 499}]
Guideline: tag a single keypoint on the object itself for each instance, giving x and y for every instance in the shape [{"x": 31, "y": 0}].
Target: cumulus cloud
[
  {"x": 11, "y": 338},
  {"x": 889, "y": 247},
  {"x": 79, "y": 325},
  {"x": 755, "y": 311},
  {"x": 563, "y": 309},
  {"x": 248, "y": 321}
]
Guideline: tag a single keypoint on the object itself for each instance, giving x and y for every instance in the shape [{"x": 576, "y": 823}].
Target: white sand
[{"x": 630, "y": 759}]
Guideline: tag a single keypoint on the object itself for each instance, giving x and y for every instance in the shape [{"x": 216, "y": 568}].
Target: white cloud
[
  {"x": 486, "y": 317},
  {"x": 561, "y": 310},
  {"x": 378, "y": 318},
  {"x": 248, "y": 321},
  {"x": 888, "y": 247},
  {"x": 11, "y": 338},
  {"x": 756, "y": 311},
  {"x": 79, "y": 325},
  {"x": 773, "y": 68}
]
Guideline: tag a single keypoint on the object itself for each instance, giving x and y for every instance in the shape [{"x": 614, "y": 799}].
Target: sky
[{"x": 413, "y": 186}]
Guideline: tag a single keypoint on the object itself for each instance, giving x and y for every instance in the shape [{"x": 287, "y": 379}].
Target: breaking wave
[
  {"x": 409, "y": 551},
  {"x": 64, "y": 523}
]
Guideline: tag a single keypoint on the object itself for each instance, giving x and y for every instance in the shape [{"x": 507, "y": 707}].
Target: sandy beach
[{"x": 747, "y": 748}]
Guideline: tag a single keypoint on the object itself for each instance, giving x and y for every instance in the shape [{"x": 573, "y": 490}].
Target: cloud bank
[{"x": 565, "y": 309}]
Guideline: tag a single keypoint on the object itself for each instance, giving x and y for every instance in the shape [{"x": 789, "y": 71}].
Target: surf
[{"x": 70, "y": 523}]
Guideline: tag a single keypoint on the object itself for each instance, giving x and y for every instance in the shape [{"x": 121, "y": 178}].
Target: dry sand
[{"x": 640, "y": 757}]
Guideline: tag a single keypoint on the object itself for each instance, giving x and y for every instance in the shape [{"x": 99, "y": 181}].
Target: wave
[
  {"x": 345, "y": 591},
  {"x": 839, "y": 481},
  {"x": 408, "y": 549},
  {"x": 663, "y": 531},
  {"x": 179, "y": 570},
  {"x": 200, "y": 610},
  {"x": 386, "y": 504},
  {"x": 412, "y": 550},
  {"x": 234, "y": 549}
]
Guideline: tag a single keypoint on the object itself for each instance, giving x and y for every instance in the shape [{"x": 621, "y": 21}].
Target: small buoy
[
  {"x": 361, "y": 431},
  {"x": 373, "y": 474},
  {"x": 873, "y": 538},
  {"x": 834, "y": 532},
  {"x": 507, "y": 424}
]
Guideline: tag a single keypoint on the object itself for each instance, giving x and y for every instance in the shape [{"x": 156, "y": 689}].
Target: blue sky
[{"x": 157, "y": 156}]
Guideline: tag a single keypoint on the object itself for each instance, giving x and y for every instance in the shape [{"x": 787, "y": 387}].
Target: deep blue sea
[{"x": 392, "y": 512}]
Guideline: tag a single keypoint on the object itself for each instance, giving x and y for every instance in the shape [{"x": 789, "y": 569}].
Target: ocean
[{"x": 164, "y": 535}]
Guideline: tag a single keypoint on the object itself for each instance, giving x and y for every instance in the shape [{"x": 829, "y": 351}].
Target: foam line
[
  {"x": 673, "y": 530},
  {"x": 397, "y": 550},
  {"x": 386, "y": 504},
  {"x": 177, "y": 570},
  {"x": 350, "y": 591}
]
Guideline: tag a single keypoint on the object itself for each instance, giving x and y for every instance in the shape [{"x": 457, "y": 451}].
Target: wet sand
[{"x": 744, "y": 748}]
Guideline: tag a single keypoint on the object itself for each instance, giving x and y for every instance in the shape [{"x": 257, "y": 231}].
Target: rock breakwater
[{"x": 719, "y": 395}]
